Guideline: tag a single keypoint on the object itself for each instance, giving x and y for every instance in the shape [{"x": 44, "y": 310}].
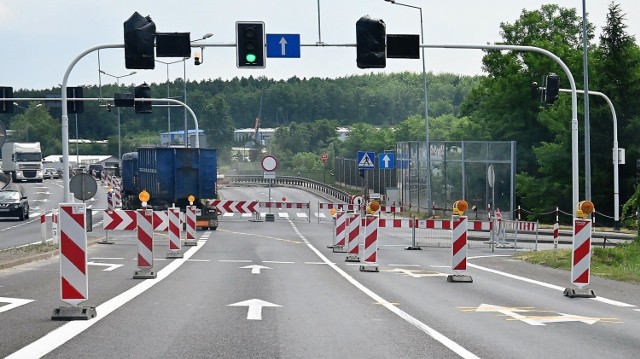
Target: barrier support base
[
  {"x": 369, "y": 267},
  {"x": 579, "y": 293},
  {"x": 256, "y": 217},
  {"x": 105, "y": 241},
  {"x": 190, "y": 243},
  {"x": 172, "y": 254},
  {"x": 339, "y": 249},
  {"x": 144, "y": 274},
  {"x": 459, "y": 278},
  {"x": 352, "y": 258},
  {"x": 73, "y": 313},
  {"x": 270, "y": 217},
  {"x": 412, "y": 248}
]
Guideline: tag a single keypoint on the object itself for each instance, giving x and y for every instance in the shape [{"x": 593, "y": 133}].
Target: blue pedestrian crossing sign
[
  {"x": 386, "y": 161},
  {"x": 283, "y": 45},
  {"x": 365, "y": 160}
]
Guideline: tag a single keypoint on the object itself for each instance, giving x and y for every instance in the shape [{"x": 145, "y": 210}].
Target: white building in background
[{"x": 343, "y": 133}]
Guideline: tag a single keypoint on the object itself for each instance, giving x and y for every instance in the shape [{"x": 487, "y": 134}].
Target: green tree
[{"x": 36, "y": 125}]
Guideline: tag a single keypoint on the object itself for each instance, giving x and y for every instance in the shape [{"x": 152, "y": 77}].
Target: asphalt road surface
[{"x": 274, "y": 290}]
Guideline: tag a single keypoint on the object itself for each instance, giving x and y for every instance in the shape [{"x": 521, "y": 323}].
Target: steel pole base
[
  {"x": 412, "y": 248},
  {"x": 191, "y": 242},
  {"x": 146, "y": 273},
  {"x": 459, "y": 278},
  {"x": 352, "y": 258},
  {"x": 579, "y": 293},
  {"x": 73, "y": 313},
  {"x": 369, "y": 267},
  {"x": 173, "y": 254}
]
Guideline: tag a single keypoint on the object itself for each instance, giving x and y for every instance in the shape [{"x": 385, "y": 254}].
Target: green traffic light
[{"x": 251, "y": 58}]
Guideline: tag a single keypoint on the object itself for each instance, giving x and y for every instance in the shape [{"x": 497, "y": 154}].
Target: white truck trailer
[{"x": 22, "y": 161}]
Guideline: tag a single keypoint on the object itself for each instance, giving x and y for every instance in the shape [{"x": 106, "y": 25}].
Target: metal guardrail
[{"x": 316, "y": 186}]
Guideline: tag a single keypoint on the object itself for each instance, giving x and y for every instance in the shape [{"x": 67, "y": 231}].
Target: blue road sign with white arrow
[
  {"x": 283, "y": 45},
  {"x": 387, "y": 161}
]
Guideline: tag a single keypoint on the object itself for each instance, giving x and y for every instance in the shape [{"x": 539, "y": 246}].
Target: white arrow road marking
[
  {"x": 109, "y": 266},
  {"x": 255, "y": 307},
  {"x": 538, "y": 319},
  {"x": 13, "y": 303},
  {"x": 416, "y": 273},
  {"x": 43, "y": 192},
  {"x": 255, "y": 268}
]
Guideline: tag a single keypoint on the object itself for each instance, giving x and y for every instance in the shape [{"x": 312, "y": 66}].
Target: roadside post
[
  {"x": 581, "y": 254},
  {"x": 459, "y": 225},
  {"x": 145, "y": 239}
]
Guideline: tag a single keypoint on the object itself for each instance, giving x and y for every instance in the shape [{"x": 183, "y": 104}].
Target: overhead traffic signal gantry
[
  {"x": 371, "y": 44},
  {"x": 7, "y": 105},
  {"x": 139, "y": 42},
  {"x": 250, "y": 42}
]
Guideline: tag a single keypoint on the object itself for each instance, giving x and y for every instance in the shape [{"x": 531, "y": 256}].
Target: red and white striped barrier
[
  {"x": 396, "y": 223},
  {"x": 174, "y": 233},
  {"x": 120, "y": 220},
  {"x": 117, "y": 197},
  {"x": 433, "y": 224},
  {"x": 160, "y": 221},
  {"x": 581, "y": 256},
  {"x": 235, "y": 206},
  {"x": 556, "y": 229},
  {"x": 74, "y": 283},
  {"x": 353, "y": 235},
  {"x": 341, "y": 230},
  {"x": 480, "y": 226},
  {"x": 111, "y": 205},
  {"x": 459, "y": 240},
  {"x": 391, "y": 209},
  {"x": 54, "y": 226},
  {"x": 521, "y": 226},
  {"x": 191, "y": 226},
  {"x": 339, "y": 206},
  {"x": 370, "y": 251},
  {"x": 459, "y": 249},
  {"x": 145, "y": 244},
  {"x": 43, "y": 228}
]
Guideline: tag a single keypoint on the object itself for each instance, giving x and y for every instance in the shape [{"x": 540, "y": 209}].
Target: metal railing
[{"x": 309, "y": 184}]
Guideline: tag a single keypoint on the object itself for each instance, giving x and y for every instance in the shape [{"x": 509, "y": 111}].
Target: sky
[{"x": 40, "y": 39}]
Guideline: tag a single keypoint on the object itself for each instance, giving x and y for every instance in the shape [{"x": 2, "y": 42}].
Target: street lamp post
[
  {"x": 118, "y": 109},
  {"x": 168, "y": 94},
  {"x": 186, "y": 128},
  {"x": 426, "y": 106}
]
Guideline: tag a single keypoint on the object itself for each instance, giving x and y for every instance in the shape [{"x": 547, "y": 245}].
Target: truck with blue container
[{"x": 170, "y": 175}]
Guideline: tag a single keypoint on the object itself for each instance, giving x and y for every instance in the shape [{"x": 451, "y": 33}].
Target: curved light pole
[
  {"x": 426, "y": 106},
  {"x": 118, "y": 109}
]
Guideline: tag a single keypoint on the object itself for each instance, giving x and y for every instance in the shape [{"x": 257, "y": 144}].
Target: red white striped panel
[
  {"x": 74, "y": 284},
  {"x": 284, "y": 205},
  {"x": 396, "y": 223}
]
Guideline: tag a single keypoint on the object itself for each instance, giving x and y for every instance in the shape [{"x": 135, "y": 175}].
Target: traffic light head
[
  {"x": 75, "y": 106},
  {"x": 250, "y": 41},
  {"x": 139, "y": 42},
  {"x": 7, "y": 105},
  {"x": 142, "y": 91},
  {"x": 371, "y": 45},
  {"x": 552, "y": 88}
]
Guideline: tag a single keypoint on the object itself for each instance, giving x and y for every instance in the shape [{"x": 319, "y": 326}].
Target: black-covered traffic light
[
  {"x": 75, "y": 106},
  {"x": 250, "y": 39},
  {"x": 371, "y": 44},
  {"x": 552, "y": 88},
  {"x": 139, "y": 42},
  {"x": 6, "y": 106},
  {"x": 143, "y": 91}
]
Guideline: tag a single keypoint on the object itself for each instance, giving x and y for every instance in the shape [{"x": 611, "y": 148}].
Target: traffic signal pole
[{"x": 574, "y": 100}]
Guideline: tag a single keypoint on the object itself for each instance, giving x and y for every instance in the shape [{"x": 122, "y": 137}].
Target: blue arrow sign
[
  {"x": 365, "y": 160},
  {"x": 387, "y": 161},
  {"x": 283, "y": 45}
]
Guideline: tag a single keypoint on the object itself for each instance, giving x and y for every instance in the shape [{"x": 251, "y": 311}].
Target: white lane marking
[
  {"x": 403, "y": 265},
  {"x": 316, "y": 263},
  {"x": 547, "y": 285},
  {"x": 455, "y": 347},
  {"x": 278, "y": 262},
  {"x": 199, "y": 260},
  {"x": 637, "y": 310},
  {"x": 105, "y": 258},
  {"x": 13, "y": 303},
  {"x": 110, "y": 266},
  {"x": 66, "y": 332},
  {"x": 235, "y": 260}
]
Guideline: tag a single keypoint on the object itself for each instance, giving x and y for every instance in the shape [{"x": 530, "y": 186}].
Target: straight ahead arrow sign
[{"x": 255, "y": 307}]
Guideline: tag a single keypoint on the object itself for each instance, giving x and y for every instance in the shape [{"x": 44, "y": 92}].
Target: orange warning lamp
[
  {"x": 584, "y": 209},
  {"x": 332, "y": 211},
  {"x": 191, "y": 198},
  {"x": 374, "y": 206},
  {"x": 144, "y": 197},
  {"x": 459, "y": 207}
]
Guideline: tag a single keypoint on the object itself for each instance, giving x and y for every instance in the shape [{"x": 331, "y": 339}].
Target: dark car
[{"x": 13, "y": 203}]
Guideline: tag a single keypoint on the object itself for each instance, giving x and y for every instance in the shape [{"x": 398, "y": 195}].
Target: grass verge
[
  {"x": 620, "y": 263},
  {"x": 26, "y": 251}
]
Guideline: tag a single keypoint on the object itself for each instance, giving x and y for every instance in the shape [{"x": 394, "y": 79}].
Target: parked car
[
  {"x": 13, "y": 203},
  {"x": 50, "y": 173}
]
